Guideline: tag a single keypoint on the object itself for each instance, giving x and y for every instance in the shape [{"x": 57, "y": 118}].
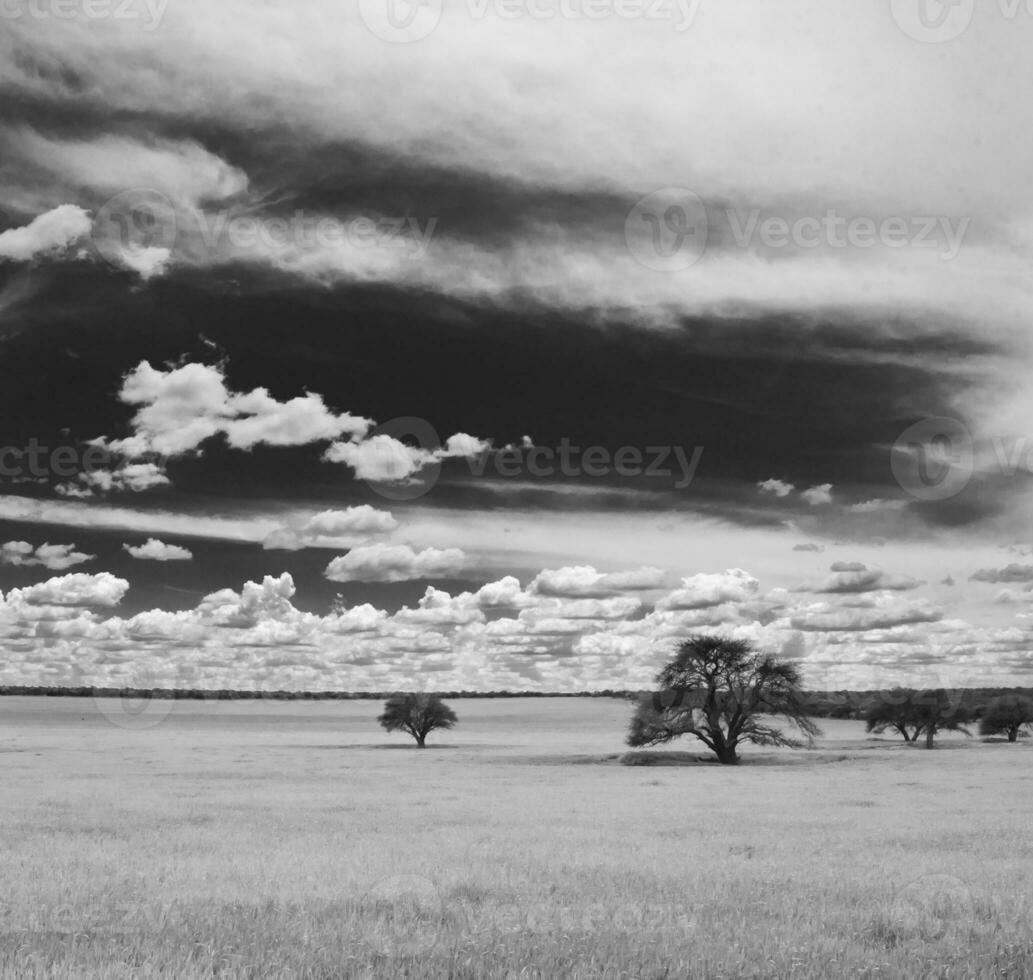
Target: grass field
[{"x": 264, "y": 839}]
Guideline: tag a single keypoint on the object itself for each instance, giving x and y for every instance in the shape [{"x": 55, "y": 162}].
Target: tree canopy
[
  {"x": 913, "y": 713},
  {"x": 417, "y": 714},
  {"x": 1007, "y": 715},
  {"x": 723, "y": 692}
]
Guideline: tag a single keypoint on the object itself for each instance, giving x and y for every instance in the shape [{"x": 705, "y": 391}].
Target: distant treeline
[
  {"x": 855, "y": 704},
  {"x": 821, "y": 704},
  {"x": 196, "y": 694}
]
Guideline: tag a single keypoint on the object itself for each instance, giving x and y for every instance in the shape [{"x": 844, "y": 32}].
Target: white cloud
[
  {"x": 880, "y": 611},
  {"x": 877, "y": 506},
  {"x": 818, "y": 495},
  {"x": 182, "y": 170},
  {"x": 854, "y": 577},
  {"x": 584, "y": 580},
  {"x": 705, "y": 590},
  {"x": 155, "y": 550},
  {"x": 52, "y": 232},
  {"x": 77, "y": 589},
  {"x": 383, "y": 459},
  {"x": 777, "y": 487},
  {"x": 394, "y": 563},
  {"x": 55, "y": 557},
  {"x": 332, "y": 527},
  {"x": 180, "y": 408}
]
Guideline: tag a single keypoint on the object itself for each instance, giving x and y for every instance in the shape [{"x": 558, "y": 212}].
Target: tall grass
[{"x": 297, "y": 841}]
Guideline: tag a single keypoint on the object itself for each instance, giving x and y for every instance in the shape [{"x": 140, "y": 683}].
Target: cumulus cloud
[
  {"x": 55, "y": 557},
  {"x": 47, "y": 234},
  {"x": 818, "y": 495},
  {"x": 77, "y": 589},
  {"x": 155, "y": 550},
  {"x": 705, "y": 590},
  {"x": 1010, "y": 573},
  {"x": 178, "y": 409},
  {"x": 384, "y": 459},
  {"x": 817, "y": 548},
  {"x": 332, "y": 527},
  {"x": 394, "y": 563},
  {"x": 854, "y": 577},
  {"x": 877, "y": 506},
  {"x": 585, "y": 581},
  {"x": 268, "y": 600},
  {"x": 881, "y": 611},
  {"x": 777, "y": 487},
  {"x": 499, "y": 636}
]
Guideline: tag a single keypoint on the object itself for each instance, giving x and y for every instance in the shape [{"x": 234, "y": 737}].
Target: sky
[{"x": 505, "y": 344}]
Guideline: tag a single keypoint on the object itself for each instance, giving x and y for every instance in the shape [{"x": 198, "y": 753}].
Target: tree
[
  {"x": 1007, "y": 715},
  {"x": 914, "y": 713},
  {"x": 417, "y": 714},
  {"x": 717, "y": 690}
]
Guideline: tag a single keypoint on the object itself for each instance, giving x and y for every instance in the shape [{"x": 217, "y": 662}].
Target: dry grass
[{"x": 298, "y": 840}]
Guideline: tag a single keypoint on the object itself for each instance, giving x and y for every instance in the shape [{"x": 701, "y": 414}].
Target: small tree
[
  {"x": 1007, "y": 715},
  {"x": 417, "y": 714},
  {"x": 716, "y": 690},
  {"x": 894, "y": 710},
  {"x": 914, "y": 713}
]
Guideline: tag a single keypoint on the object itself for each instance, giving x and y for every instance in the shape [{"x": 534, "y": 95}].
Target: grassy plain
[{"x": 265, "y": 839}]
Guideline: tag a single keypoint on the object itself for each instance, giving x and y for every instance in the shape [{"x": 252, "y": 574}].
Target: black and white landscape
[{"x": 369, "y": 346}]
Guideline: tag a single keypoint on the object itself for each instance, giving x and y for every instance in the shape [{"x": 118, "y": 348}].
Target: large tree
[
  {"x": 417, "y": 714},
  {"x": 722, "y": 692},
  {"x": 1007, "y": 716},
  {"x": 914, "y": 713}
]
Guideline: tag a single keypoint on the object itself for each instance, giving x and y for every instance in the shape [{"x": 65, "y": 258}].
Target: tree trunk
[
  {"x": 726, "y": 755},
  {"x": 1013, "y": 734},
  {"x": 929, "y": 736},
  {"x": 421, "y": 741}
]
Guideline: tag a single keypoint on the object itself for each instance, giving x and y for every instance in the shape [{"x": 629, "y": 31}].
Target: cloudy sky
[{"x": 502, "y": 344}]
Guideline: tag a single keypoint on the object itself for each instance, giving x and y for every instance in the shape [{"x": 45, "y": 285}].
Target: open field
[{"x": 265, "y": 839}]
